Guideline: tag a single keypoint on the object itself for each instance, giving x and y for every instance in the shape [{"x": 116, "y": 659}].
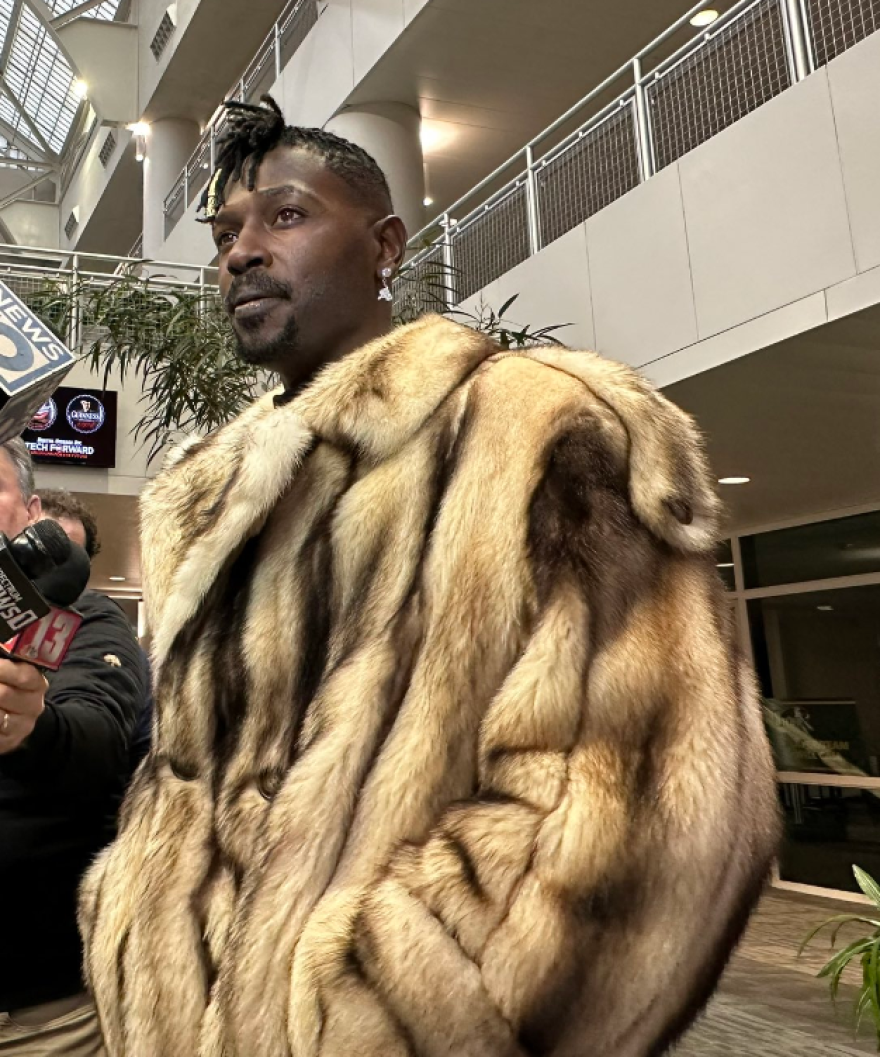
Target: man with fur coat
[{"x": 454, "y": 755}]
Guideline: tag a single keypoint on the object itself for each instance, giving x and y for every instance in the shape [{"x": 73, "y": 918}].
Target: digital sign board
[{"x": 75, "y": 427}]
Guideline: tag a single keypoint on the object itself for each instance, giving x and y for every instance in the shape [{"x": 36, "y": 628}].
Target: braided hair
[{"x": 253, "y": 131}]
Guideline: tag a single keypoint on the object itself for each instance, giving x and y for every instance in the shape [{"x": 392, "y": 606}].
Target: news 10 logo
[{"x": 30, "y": 352}]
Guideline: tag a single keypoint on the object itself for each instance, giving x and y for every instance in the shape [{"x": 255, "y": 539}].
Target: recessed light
[
  {"x": 428, "y": 201},
  {"x": 117, "y": 579},
  {"x": 734, "y": 480},
  {"x": 825, "y": 609},
  {"x": 139, "y": 128},
  {"x": 79, "y": 88},
  {"x": 704, "y": 18},
  {"x": 725, "y": 565}
]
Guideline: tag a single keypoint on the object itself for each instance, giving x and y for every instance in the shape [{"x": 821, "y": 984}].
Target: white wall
[
  {"x": 106, "y": 56},
  {"x": 150, "y": 14},
  {"x": 33, "y": 224},
  {"x": 90, "y": 180},
  {"x": 768, "y": 229}
]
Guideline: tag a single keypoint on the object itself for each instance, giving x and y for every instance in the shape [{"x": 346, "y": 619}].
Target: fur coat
[{"x": 454, "y": 755}]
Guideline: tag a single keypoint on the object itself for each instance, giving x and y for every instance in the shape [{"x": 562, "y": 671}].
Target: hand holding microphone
[
  {"x": 22, "y": 691},
  {"x": 40, "y": 566}
]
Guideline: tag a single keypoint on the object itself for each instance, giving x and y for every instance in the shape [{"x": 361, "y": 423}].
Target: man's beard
[
  {"x": 273, "y": 352},
  {"x": 276, "y": 350}
]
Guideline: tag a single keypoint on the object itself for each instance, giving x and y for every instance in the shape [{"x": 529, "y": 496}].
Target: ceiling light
[
  {"x": 437, "y": 136},
  {"x": 427, "y": 201},
  {"x": 825, "y": 609},
  {"x": 725, "y": 565},
  {"x": 734, "y": 480},
  {"x": 117, "y": 579},
  {"x": 704, "y": 18},
  {"x": 79, "y": 88},
  {"x": 139, "y": 128}
]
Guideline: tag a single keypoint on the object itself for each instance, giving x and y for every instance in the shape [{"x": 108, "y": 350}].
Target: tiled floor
[{"x": 770, "y": 1002}]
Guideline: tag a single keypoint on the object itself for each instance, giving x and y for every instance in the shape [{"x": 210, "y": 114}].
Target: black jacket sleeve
[{"x": 80, "y": 744}]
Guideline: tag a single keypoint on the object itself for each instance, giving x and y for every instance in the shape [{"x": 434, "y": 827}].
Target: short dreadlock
[{"x": 253, "y": 131}]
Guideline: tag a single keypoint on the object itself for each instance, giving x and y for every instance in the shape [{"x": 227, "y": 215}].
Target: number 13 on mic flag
[{"x": 46, "y": 641}]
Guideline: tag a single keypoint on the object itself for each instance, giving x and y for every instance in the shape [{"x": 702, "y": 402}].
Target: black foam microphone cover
[{"x": 55, "y": 565}]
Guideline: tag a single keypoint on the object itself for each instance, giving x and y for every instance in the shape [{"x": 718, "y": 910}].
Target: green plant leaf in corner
[{"x": 868, "y": 885}]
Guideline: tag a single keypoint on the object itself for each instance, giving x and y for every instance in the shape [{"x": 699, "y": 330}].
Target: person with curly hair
[{"x": 74, "y": 516}]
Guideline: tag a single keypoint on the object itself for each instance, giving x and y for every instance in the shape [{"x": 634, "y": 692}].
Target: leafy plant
[
  {"x": 864, "y": 951},
  {"x": 175, "y": 339},
  {"x": 425, "y": 287},
  {"x": 508, "y": 335}
]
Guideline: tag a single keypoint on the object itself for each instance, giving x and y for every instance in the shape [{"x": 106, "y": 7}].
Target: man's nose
[{"x": 249, "y": 251}]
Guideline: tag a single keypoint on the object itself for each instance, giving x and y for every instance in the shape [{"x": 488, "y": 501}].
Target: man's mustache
[{"x": 250, "y": 287}]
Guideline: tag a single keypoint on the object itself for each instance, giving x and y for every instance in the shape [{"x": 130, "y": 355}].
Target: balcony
[{"x": 663, "y": 106}]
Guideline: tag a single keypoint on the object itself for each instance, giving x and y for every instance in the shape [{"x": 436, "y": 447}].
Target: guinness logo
[{"x": 85, "y": 414}]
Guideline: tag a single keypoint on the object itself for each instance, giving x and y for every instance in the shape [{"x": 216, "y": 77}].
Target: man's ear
[
  {"x": 390, "y": 234},
  {"x": 34, "y": 509}
]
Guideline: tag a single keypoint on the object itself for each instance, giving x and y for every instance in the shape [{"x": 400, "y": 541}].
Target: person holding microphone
[{"x": 64, "y": 764}]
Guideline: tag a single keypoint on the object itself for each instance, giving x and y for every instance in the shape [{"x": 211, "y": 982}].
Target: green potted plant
[{"x": 863, "y": 952}]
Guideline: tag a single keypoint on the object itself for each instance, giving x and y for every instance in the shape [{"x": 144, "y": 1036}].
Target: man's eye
[
  {"x": 226, "y": 238},
  {"x": 289, "y": 214}
]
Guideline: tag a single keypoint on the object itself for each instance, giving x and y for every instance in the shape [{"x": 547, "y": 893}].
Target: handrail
[
  {"x": 582, "y": 103},
  {"x": 12, "y": 247},
  {"x": 667, "y": 109},
  {"x": 76, "y": 263}
]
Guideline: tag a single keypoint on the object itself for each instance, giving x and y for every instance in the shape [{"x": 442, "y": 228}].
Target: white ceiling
[
  {"x": 802, "y": 419},
  {"x": 488, "y": 75}
]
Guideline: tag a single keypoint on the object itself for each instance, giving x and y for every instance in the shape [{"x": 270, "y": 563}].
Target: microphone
[
  {"x": 54, "y": 564},
  {"x": 33, "y": 363},
  {"x": 39, "y": 567}
]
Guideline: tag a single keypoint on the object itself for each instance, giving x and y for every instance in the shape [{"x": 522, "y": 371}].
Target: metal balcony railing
[
  {"x": 756, "y": 50},
  {"x": 60, "y": 285},
  {"x": 288, "y": 33}
]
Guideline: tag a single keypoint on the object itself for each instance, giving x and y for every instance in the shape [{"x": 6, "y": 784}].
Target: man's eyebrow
[
  {"x": 268, "y": 192},
  {"x": 285, "y": 189}
]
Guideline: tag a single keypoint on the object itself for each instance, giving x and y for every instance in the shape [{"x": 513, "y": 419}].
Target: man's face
[
  {"x": 15, "y": 513},
  {"x": 298, "y": 264}
]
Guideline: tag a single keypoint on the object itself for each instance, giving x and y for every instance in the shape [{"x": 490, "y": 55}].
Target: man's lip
[{"x": 253, "y": 303}]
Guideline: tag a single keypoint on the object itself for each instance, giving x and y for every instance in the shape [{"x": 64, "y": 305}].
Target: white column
[
  {"x": 391, "y": 133},
  {"x": 169, "y": 145}
]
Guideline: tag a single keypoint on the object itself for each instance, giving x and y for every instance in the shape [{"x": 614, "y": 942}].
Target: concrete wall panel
[
  {"x": 640, "y": 275},
  {"x": 553, "y": 287},
  {"x": 320, "y": 75},
  {"x": 854, "y": 79},
  {"x": 376, "y": 24},
  {"x": 765, "y": 207}
]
